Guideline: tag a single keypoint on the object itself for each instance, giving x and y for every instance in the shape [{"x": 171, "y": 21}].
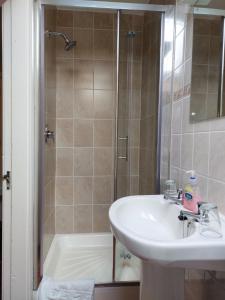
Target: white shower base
[{"x": 87, "y": 256}]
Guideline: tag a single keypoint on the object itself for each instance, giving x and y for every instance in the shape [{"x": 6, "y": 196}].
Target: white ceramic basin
[{"x": 149, "y": 227}]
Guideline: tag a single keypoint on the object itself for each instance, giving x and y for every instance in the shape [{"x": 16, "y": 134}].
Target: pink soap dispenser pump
[{"x": 191, "y": 194}]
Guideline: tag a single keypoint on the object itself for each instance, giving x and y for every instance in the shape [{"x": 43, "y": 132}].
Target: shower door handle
[
  {"x": 125, "y": 157},
  {"x": 49, "y": 135}
]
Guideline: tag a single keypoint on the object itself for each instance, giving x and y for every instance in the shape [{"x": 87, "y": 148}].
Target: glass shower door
[
  {"x": 127, "y": 267},
  {"x": 138, "y": 104}
]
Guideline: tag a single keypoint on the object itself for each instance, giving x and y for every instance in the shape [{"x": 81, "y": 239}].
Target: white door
[{"x": 6, "y": 158}]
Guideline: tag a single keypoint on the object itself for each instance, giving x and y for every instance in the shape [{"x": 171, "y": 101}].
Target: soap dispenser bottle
[{"x": 191, "y": 194}]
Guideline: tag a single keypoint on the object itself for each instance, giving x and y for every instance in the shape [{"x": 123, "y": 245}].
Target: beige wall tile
[
  {"x": 201, "y": 49},
  {"x": 175, "y": 151},
  {"x": 100, "y": 218},
  {"x": 64, "y": 18},
  {"x": 134, "y": 185},
  {"x": 103, "y": 133},
  {"x": 103, "y": 75},
  {"x": 84, "y": 218},
  {"x": 64, "y": 219},
  {"x": 137, "y": 22},
  {"x": 217, "y": 156},
  {"x": 187, "y": 126},
  {"x": 85, "y": 43},
  {"x": 50, "y": 17},
  {"x": 187, "y": 151},
  {"x": 103, "y": 161},
  {"x": 135, "y": 108},
  {"x": 215, "y": 50},
  {"x": 103, "y": 44},
  {"x": 137, "y": 75},
  {"x": 83, "y": 133},
  {"x": 50, "y": 98},
  {"x": 103, "y": 190},
  {"x": 64, "y": 105},
  {"x": 83, "y": 74},
  {"x": 177, "y": 117},
  {"x": 134, "y": 133},
  {"x": 84, "y": 104},
  {"x": 103, "y": 104},
  {"x": 83, "y": 19},
  {"x": 83, "y": 189},
  {"x": 137, "y": 46},
  {"x": 64, "y": 72},
  {"x": 64, "y": 133},
  {"x": 201, "y": 153},
  {"x": 64, "y": 191},
  {"x": 134, "y": 161},
  {"x": 103, "y": 20},
  {"x": 64, "y": 162},
  {"x": 216, "y": 191},
  {"x": 83, "y": 161}
]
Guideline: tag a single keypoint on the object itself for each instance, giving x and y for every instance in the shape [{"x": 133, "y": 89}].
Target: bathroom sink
[{"x": 149, "y": 228}]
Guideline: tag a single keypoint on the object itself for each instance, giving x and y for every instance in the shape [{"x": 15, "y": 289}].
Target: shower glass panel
[
  {"x": 79, "y": 107},
  {"x": 139, "y": 65}
]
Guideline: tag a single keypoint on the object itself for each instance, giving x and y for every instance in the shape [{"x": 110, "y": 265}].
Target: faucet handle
[
  {"x": 204, "y": 206},
  {"x": 179, "y": 193}
]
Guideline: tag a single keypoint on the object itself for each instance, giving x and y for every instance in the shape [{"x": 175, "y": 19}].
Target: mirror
[{"x": 207, "y": 63}]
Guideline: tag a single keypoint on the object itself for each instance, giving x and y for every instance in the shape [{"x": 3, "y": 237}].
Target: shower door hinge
[{"x": 7, "y": 178}]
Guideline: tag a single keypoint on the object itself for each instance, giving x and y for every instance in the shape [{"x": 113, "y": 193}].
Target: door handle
[{"x": 125, "y": 157}]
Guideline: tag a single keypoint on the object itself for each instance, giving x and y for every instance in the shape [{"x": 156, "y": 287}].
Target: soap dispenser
[{"x": 191, "y": 194}]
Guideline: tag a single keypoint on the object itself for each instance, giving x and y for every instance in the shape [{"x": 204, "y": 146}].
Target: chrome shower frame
[{"x": 39, "y": 95}]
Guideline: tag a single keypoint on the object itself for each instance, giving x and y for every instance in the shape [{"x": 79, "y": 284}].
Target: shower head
[{"x": 69, "y": 44}]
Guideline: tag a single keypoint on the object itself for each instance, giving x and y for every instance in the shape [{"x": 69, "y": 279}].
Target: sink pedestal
[{"x": 160, "y": 283}]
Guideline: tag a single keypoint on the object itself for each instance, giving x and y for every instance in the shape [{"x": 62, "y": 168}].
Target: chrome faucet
[
  {"x": 175, "y": 197},
  {"x": 186, "y": 215},
  {"x": 202, "y": 213}
]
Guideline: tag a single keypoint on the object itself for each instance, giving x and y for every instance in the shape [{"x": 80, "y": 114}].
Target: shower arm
[{"x": 57, "y": 34}]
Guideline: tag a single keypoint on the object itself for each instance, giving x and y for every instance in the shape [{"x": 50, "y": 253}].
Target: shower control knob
[{"x": 49, "y": 135}]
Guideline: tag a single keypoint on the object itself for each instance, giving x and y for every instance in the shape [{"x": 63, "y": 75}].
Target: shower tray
[{"x": 87, "y": 256}]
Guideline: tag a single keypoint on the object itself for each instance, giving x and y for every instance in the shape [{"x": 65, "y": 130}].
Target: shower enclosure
[{"x": 101, "y": 83}]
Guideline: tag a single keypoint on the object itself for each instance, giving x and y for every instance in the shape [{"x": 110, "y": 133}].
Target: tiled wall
[
  {"x": 149, "y": 103},
  {"x": 198, "y": 146},
  {"x": 50, "y": 120},
  {"x": 85, "y": 115},
  {"x": 85, "y": 122}
]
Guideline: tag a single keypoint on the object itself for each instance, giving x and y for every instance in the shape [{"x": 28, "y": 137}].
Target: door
[{"x": 6, "y": 116}]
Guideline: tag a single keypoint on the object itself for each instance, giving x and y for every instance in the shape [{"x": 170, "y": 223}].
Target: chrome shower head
[{"x": 69, "y": 43}]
